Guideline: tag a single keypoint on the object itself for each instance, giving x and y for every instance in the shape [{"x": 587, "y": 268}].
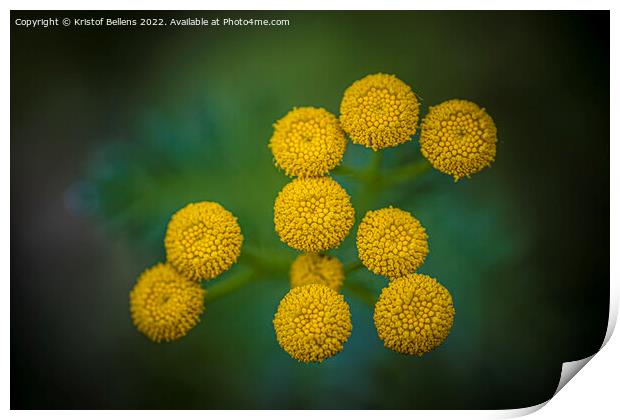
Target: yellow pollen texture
[
  {"x": 165, "y": 305},
  {"x": 307, "y": 142},
  {"x": 379, "y": 111},
  {"x": 458, "y": 138},
  {"x": 313, "y": 214},
  {"x": 391, "y": 242},
  {"x": 317, "y": 269},
  {"x": 414, "y": 314},
  {"x": 312, "y": 323},
  {"x": 203, "y": 240}
]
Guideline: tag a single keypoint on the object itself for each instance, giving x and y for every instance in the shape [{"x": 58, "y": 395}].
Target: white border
[{"x": 594, "y": 394}]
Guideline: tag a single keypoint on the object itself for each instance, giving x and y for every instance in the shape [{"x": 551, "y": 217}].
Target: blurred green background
[{"x": 115, "y": 128}]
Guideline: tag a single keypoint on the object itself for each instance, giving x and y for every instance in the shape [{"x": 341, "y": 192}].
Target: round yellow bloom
[
  {"x": 307, "y": 142},
  {"x": 379, "y": 111},
  {"x": 414, "y": 314},
  {"x": 312, "y": 323},
  {"x": 203, "y": 240},
  {"x": 313, "y": 214},
  {"x": 165, "y": 305},
  {"x": 391, "y": 242},
  {"x": 317, "y": 269},
  {"x": 458, "y": 138}
]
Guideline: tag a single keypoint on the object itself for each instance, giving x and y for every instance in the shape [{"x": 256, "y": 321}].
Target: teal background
[{"x": 114, "y": 129}]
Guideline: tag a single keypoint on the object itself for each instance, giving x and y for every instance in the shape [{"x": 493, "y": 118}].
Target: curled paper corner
[{"x": 570, "y": 369}]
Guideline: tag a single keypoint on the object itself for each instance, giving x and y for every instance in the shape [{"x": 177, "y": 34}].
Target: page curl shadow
[{"x": 570, "y": 369}]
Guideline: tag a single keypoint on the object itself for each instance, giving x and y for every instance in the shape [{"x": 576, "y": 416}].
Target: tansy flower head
[
  {"x": 312, "y": 323},
  {"x": 414, "y": 314},
  {"x": 317, "y": 269},
  {"x": 391, "y": 242},
  {"x": 458, "y": 138},
  {"x": 203, "y": 240},
  {"x": 164, "y": 304},
  {"x": 313, "y": 214},
  {"x": 379, "y": 111},
  {"x": 307, "y": 142}
]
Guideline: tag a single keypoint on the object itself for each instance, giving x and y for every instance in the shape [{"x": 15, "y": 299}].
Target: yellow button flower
[
  {"x": 391, "y": 242},
  {"x": 307, "y": 142},
  {"x": 414, "y": 314},
  {"x": 203, "y": 240},
  {"x": 164, "y": 304},
  {"x": 379, "y": 111},
  {"x": 458, "y": 138},
  {"x": 312, "y": 323},
  {"x": 317, "y": 269},
  {"x": 313, "y": 214}
]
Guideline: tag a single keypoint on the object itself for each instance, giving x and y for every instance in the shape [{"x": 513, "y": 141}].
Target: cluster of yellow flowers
[
  {"x": 313, "y": 214},
  {"x": 202, "y": 241}
]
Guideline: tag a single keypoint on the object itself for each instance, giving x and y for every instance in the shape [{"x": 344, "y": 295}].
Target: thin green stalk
[
  {"x": 260, "y": 262},
  {"x": 347, "y": 171},
  {"x": 352, "y": 267},
  {"x": 407, "y": 172},
  {"x": 373, "y": 177},
  {"x": 374, "y": 171},
  {"x": 228, "y": 285},
  {"x": 372, "y": 182},
  {"x": 361, "y": 293}
]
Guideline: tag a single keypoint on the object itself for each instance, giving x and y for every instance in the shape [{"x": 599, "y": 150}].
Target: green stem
[
  {"x": 407, "y": 172},
  {"x": 352, "y": 267},
  {"x": 347, "y": 171},
  {"x": 260, "y": 262},
  {"x": 228, "y": 285},
  {"x": 253, "y": 264},
  {"x": 374, "y": 171},
  {"x": 361, "y": 293},
  {"x": 372, "y": 182},
  {"x": 373, "y": 177}
]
